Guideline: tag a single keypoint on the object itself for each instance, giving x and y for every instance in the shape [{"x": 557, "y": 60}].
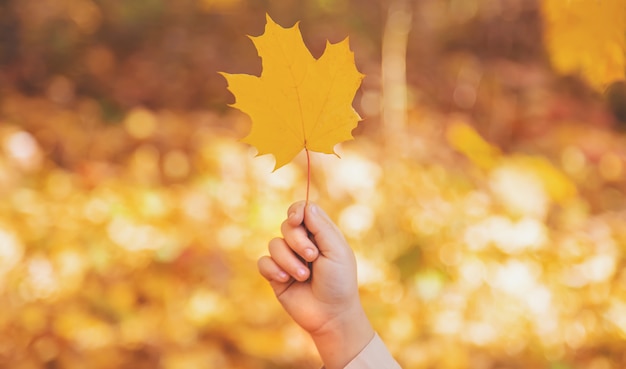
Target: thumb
[{"x": 326, "y": 234}]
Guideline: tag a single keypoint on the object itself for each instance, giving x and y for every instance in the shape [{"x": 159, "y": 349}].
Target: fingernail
[
  {"x": 309, "y": 254},
  {"x": 302, "y": 272},
  {"x": 314, "y": 209},
  {"x": 291, "y": 215},
  {"x": 282, "y": 276}
]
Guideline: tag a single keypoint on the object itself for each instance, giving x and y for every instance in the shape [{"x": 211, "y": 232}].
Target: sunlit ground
[{"x": 489, "y": 226}]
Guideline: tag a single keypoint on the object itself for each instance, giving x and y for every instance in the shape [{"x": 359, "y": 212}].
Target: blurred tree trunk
[{"x": 394, "y": 48}]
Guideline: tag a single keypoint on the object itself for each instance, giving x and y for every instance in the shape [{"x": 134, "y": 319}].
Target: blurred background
[{"x": 483, "y": 193}]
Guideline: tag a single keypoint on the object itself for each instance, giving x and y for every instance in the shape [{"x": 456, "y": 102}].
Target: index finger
[{"x": 295, "y": 213}]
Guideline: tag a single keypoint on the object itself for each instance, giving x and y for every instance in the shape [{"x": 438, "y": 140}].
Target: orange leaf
[
  {"x": 587, "y": 37},
  {"x": 298, "y": 102}
]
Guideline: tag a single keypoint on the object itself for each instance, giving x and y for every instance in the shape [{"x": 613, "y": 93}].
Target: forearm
[{"x": 342, "y": 339}]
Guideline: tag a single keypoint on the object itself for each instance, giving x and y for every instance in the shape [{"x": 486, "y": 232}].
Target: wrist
[{"x": 344, "y": 337}]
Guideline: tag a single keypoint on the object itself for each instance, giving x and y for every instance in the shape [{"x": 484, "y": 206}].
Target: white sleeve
[{"x": 374, "y": 356}]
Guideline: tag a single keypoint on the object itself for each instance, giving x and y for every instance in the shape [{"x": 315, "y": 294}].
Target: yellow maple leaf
[{"x": 298, "y": 102}]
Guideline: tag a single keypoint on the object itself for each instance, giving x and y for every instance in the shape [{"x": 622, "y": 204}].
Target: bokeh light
[{"x": 483, "y": 194}]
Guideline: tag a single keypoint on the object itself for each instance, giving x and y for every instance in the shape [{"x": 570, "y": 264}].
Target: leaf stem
[
  {"x": 308, "y": 175},
  {"x": 306, "y": 203}
]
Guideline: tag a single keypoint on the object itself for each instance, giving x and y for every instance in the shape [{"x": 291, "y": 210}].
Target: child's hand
[{"x": 327, "y": 305}]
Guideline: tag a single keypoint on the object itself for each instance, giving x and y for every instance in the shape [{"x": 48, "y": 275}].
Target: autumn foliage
[{"x": 488, "y": 222}]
